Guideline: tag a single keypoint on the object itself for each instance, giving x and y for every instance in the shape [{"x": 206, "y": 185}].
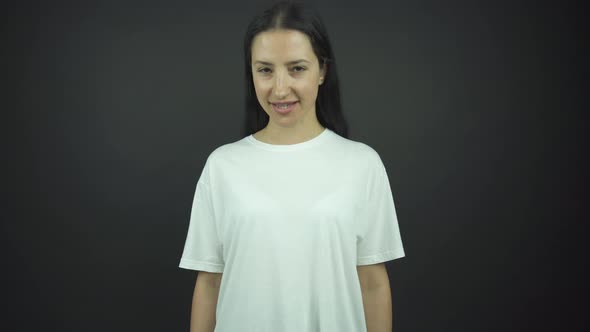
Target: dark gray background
[{"x": 475, "y": 108}]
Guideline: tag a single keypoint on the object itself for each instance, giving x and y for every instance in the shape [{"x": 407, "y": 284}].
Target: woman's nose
[{"x": 281, "y": 86}]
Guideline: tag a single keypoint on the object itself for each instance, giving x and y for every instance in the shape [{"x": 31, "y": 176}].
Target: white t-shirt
[{"x": 287, "y": 225}]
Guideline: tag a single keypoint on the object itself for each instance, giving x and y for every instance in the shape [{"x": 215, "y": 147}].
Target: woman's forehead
[{"x": 281, "y": 44}]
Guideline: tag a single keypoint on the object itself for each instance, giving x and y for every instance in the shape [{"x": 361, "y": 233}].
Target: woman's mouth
[{"x": 283, "y": 108}]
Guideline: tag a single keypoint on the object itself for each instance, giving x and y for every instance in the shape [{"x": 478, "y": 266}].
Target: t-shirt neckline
[{"x": 290, "y": 147}]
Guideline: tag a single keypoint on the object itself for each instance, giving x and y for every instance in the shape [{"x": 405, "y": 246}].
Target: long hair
[{"x": 295, "y": 16}]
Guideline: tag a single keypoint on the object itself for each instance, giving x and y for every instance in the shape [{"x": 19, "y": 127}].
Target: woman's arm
[
  {"x": 376, "y": 297},
  {"x": 205, "y": 302}
]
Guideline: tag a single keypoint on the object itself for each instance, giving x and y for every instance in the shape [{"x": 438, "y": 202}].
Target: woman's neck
[{"x": 287, "y": 136}]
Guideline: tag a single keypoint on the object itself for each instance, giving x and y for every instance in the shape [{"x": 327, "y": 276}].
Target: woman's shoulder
[
  {"x": 358, "y": 148},
  {"x": 228, "y": 150}
]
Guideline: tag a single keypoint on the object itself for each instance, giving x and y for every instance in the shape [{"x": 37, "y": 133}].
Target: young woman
[{"x": 290, "y": 226}]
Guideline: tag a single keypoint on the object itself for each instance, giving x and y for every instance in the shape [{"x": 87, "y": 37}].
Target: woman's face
[{"x": 286, "y": 74}]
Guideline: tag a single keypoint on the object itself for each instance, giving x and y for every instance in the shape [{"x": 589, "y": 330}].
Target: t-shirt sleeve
[
  {"x": 202, "y": 249},
  {"x": 379, "y": 237}
]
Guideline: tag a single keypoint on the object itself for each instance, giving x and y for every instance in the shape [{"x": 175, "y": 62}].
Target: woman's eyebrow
[{"x": 288, "y": 63}]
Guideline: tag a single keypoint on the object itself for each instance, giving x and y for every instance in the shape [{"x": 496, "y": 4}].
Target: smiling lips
[{"x": 283, "y": 108}]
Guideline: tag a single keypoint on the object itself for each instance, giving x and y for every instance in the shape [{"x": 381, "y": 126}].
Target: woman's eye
[{"x": 266, "y": 70}]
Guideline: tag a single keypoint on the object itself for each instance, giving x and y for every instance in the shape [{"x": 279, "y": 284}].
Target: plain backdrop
[{"x": 111, "y": 108}]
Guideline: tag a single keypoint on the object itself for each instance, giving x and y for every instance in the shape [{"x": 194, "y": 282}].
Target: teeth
[{"x": 285, "y": 106}]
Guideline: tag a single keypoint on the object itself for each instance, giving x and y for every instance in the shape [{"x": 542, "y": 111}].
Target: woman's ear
[{"x": 323, "y": 73}]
